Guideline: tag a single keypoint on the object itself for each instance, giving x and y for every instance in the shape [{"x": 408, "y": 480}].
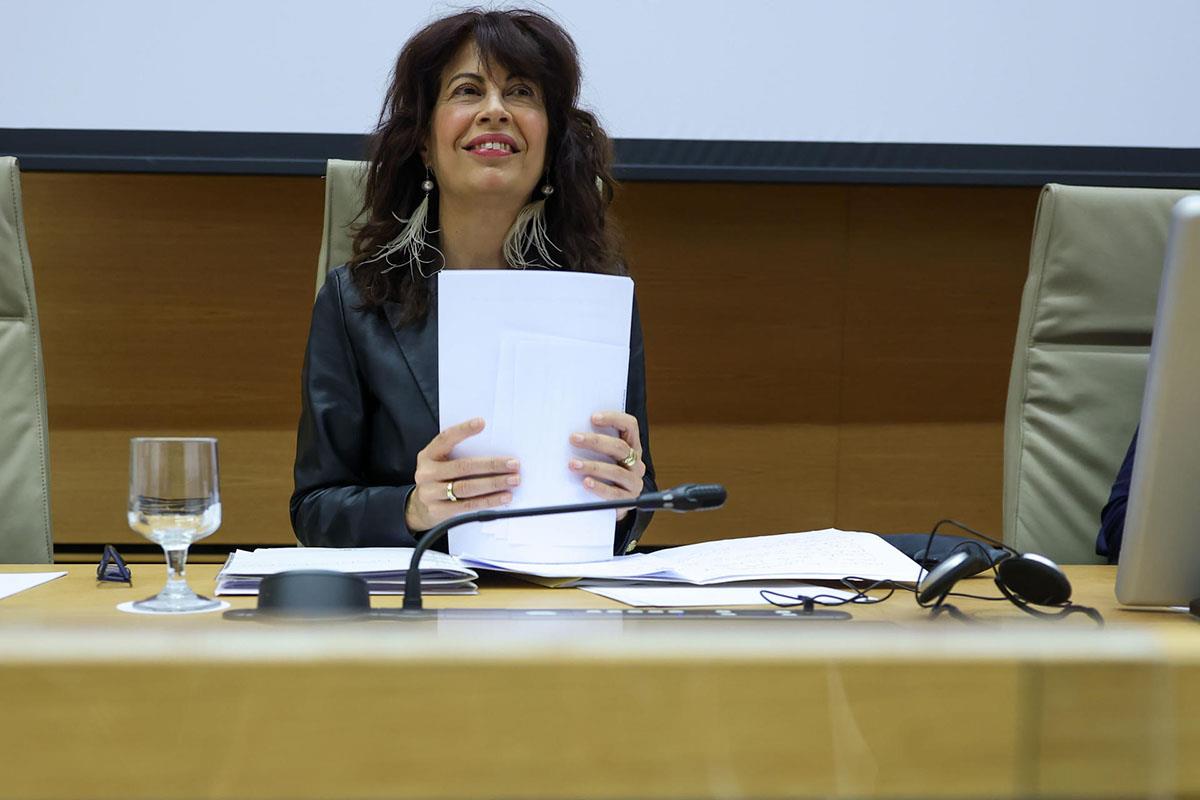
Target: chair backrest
[
  {"x": 24, "y": 442},
  {"x": 343, "y": 204},
  {"x": 1079, "y": 365}
]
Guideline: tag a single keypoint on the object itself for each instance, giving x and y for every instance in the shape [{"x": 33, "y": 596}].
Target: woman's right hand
[{"x": 477, "y": 483}]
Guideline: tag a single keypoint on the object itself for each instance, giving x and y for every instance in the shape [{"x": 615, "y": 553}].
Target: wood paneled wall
[{"x": 836, "y": 355}]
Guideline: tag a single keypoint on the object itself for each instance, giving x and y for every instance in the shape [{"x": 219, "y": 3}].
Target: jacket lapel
[{"x": 419, "y": 345}]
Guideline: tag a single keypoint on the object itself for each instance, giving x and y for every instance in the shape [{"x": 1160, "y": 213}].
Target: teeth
[{"x": 494, "y": 146}]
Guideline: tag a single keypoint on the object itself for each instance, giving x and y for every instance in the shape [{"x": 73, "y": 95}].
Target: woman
[{"x": 481, "y": 159}]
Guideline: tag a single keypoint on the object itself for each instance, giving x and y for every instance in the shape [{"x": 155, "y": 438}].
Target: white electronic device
[{"x": 1160, "y": 551}]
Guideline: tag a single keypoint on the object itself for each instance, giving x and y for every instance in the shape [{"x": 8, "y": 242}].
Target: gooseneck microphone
[{"x": 687, "y": 497}]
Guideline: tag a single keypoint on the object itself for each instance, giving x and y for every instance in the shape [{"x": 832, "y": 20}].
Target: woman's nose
[{"x": 493, "y": 110}]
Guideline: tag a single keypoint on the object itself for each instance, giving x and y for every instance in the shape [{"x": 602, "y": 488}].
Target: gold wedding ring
[
  {"x": 450, "y": 495},
  {"x": 630, "y": 459}
]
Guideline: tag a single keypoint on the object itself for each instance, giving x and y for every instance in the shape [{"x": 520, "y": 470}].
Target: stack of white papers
[
  {"x": 384, "y": 568},
  {"x": 828, "y": 554},
  {"x": 534, "y": 354}
]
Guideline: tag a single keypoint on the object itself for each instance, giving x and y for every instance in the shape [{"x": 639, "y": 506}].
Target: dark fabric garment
[
  {"x": 369, "y": 404},
  {"x": 1112, "y": 517}
]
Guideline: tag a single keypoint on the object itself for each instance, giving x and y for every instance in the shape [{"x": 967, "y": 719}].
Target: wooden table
[{"x": 97, "y": 703}]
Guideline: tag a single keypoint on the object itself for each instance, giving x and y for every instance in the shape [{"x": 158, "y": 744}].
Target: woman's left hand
[{"x": 612, "y": 481}]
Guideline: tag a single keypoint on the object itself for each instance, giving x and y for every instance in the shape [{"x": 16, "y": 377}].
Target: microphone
[{"x": 686, "y": 497}]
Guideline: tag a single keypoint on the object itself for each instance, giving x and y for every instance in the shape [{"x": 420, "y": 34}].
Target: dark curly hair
[{"x": 578, "y": 152}]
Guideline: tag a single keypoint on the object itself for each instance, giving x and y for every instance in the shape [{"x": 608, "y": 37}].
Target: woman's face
[{"x": 488, "y": 136}]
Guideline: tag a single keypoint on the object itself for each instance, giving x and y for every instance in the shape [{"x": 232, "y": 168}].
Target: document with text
[{"x": 829, "y": 554}]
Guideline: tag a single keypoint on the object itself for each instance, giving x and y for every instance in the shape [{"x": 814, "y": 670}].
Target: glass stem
[{"x": 176, "y": 569}]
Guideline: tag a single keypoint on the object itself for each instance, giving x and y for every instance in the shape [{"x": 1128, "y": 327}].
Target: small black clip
[{"x": 113, "y": 568}]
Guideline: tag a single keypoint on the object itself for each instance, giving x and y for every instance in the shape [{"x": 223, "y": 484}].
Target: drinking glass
[{"x": 174, "y": 499}]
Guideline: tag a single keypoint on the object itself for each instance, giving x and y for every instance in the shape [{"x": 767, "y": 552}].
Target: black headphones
[{"x": 1025, "y": 579}]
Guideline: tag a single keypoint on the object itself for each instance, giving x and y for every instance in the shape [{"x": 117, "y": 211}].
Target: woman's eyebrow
[{"x": 475, "y": 76}]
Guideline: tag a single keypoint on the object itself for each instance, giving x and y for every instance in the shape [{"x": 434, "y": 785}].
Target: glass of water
[{"x": 174, "y": 499}]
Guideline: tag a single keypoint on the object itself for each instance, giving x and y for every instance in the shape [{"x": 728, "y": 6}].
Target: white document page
[
  {"x": 361, "y": 560},
  {"x": 553, "y": 387},
  {"x": 535, "y": 354},
  {"x": 12, "y": 583},
  {"x": 828, "y": 554},
  {"x": 825, "y": 554},
  {"x": 640, "y": 566},
  {"x": 674, "y": 595}
]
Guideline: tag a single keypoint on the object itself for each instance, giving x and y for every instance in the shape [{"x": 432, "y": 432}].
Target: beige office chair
[
  {"x": 343, "y": 202},
  {"x": 24, "y": 443},
  {"x": 1079, "y": 365}
]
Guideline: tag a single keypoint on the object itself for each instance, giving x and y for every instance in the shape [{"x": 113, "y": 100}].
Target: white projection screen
[{"x": 928, "y": 91}]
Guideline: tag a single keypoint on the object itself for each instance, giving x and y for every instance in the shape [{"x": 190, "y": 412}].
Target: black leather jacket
[{"x": 369, "y": 400}]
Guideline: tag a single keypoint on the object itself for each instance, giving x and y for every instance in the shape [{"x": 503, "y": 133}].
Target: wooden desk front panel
[
  {"x": 836, "y": 355},
  {"x": 427, "y": 727}
]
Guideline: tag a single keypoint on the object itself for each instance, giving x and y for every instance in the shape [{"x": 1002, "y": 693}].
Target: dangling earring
[
  {"x": 411, "y": 241},
  {"x": 529, "y": 231}
]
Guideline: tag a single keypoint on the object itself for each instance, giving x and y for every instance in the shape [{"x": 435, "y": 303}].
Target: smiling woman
[
  {"x": 488, "y": 141},
  {"x": 509, "y": 77},
  {"x": 482, "y": 159}
]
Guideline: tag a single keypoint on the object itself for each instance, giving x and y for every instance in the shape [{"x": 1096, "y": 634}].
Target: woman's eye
[
  {"x": 521, "y": 90},
  {"x": 465, "y": 88}
]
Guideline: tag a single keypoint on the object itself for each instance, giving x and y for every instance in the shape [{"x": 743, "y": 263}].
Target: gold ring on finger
[
  {"x": 450, "y": 495},
  {"x": 630, "y": 459}
]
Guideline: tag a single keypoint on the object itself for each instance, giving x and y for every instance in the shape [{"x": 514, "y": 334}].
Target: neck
[{"x": 472, "y": 233}]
